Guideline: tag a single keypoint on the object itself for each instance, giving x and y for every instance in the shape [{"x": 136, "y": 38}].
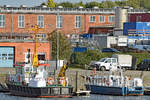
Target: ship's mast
[{"x": 35, "y": 56}]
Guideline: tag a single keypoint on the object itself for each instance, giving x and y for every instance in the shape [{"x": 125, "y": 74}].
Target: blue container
[
  {"x": 130, "y": 28},
  {"x": 86, "y": 35},
  {"x": 80, "y": 49}
]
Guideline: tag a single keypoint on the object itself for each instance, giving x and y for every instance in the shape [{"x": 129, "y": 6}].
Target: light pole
[{"x": 57, "y": 48}]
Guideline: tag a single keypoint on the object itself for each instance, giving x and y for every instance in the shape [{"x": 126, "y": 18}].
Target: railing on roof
[
  {"x": 22, "y": 40},
  {"x": 55, "y": 10},
  {"x": 137, "y": 10},
  {"x": 65, "y": 10}
]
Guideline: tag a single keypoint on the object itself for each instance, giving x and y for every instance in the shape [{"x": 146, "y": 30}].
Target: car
[
  {"x": 109, "y": 50},
  {"x": 144, "y": 65}
]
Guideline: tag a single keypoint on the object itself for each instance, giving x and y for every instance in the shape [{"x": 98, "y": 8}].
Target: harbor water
[{"x": 6, "y": 96}]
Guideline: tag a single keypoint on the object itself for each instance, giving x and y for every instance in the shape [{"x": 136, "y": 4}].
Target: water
[{"x": 5, "y": 96}]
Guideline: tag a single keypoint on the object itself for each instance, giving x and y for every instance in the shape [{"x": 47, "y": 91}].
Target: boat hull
[
  {"x": 104, "y": 90},
  {"x": 121, "y": 91},
  {"x": 40, "y": 92}
]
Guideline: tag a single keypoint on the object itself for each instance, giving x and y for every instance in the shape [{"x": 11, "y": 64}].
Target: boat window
[
  {"x": 27, "y": 69},
  {"x": 10, "y": 58},
  {"x": 4, "y": 58},
  {"x": 10, "y": 54},
  {"x": 4, "y": 54}
]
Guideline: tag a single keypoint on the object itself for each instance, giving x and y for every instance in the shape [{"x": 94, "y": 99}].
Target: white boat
[{"x": 115, "y": 85}]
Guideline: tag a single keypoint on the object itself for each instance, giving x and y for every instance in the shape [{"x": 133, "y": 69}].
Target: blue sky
[{"x": 31, "y": 3}]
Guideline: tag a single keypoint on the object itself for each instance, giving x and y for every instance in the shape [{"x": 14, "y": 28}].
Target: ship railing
[{"x": 101, "y": 81}]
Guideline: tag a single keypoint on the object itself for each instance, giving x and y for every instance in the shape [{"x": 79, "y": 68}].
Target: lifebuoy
[
  {"x": 8, "y": 78},
  {"x": 107, "y": 82},
  {"x": 50, "y": 81},
  {"x": 18, "y": 77},
  {"x": 62, "y": 81}
]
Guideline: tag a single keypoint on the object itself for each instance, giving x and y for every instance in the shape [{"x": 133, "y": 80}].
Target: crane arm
[
  {"x": 62, "y": 71},
  {"x": 35, "y": 56}
]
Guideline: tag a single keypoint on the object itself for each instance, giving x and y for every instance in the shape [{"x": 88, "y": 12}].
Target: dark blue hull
[{"x": 105, "y": 90}]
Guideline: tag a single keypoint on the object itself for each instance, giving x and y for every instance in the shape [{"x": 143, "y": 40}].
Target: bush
[{"x": 82, "y": 59}]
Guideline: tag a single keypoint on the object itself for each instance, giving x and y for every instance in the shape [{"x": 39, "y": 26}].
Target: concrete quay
[{"x": 77, "y": 76}]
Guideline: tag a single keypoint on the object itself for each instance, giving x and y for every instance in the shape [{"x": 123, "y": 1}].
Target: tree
[
  {"x": 66, "y": 4},
  {"x": 65, "y": 49},
  {"x": 145, "y": 4},
  {"x": 79, "y": 4},
  {"x": 51, "y": 4},
  {"x": 134, "y": 3},
  {"x": 91, "y": 4},
  {"x": 121, "y": 3},
  {"x": 107, "y": 4}
]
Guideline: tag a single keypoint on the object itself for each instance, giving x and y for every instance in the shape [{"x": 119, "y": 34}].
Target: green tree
[
  {"x": 145, "y": 4},
  {"x": 65, "y": 49},
  {"x": 134, "y": 3},
  {"x": 91, "y": 4},
  {"x": 121, "y": 3},
  {"x": 79, "y": 4},
  {"x": 66, "y": 4},
  {"x": 107, "y": 4},
  {"x": 51, "y": 4}
]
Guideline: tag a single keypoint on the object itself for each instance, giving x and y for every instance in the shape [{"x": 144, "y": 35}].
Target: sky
[{"x": 31, "y": 3}]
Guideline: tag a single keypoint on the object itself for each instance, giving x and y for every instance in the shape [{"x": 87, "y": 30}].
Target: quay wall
[{"x": 77, "y": 77}]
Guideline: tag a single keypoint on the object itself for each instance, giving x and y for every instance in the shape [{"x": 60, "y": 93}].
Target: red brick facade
[
  {"x": 21, "y": 49},
  {"x": 68, "y": 26}
]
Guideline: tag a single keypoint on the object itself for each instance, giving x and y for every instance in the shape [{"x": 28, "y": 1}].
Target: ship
[
  {"x": 115, "y": 85},
  {"x": 32, "y": 79}
]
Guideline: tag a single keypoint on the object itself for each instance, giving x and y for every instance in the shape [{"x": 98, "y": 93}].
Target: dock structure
[{"x": 83, "y": 93}]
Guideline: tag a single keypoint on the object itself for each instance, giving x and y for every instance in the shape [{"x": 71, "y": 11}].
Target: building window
[
  {"x": 101, "y": 19},
  {"x": 21, "y": 21},
  {"x": 92, "y": 18},
  {"x": 59, "y": 21},
  {"x": 44, "y": 36},
  {"x": 111, "y": 18},
  {"x": 2, "y": 20},
  {"x": 138, "y": 18},
  {"x": 40, "y": 21},
  {"x": 78, "y": 22}
]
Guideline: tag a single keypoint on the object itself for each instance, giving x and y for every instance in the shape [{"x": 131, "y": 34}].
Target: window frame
[
  {"x": 2, "y": 20},
  {"x": 21, "y": 21},
  {"x": 77, "y": 21},
  {"x": 111, "y": 18},
  {"x": 40, "y": 22},
  {"x": 102, "y": 21},
  {"x": 59, "y": 21},
  {"x": 92, "y": 18}
]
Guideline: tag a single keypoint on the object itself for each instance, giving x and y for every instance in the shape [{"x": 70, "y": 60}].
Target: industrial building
[
  {"x": 15, "y": 51},
  {"x": 16, "y": 23}
]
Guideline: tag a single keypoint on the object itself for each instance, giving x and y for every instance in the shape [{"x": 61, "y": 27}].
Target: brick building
[
  {"x": 16, "y": 23},
  {"x": 18, "y": 20},
  {"x": 67, "y": 20},
  {"x": 16, "y": 51}
]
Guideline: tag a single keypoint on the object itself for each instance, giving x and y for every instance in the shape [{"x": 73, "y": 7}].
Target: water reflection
[{"x": 6, "y": 96}]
